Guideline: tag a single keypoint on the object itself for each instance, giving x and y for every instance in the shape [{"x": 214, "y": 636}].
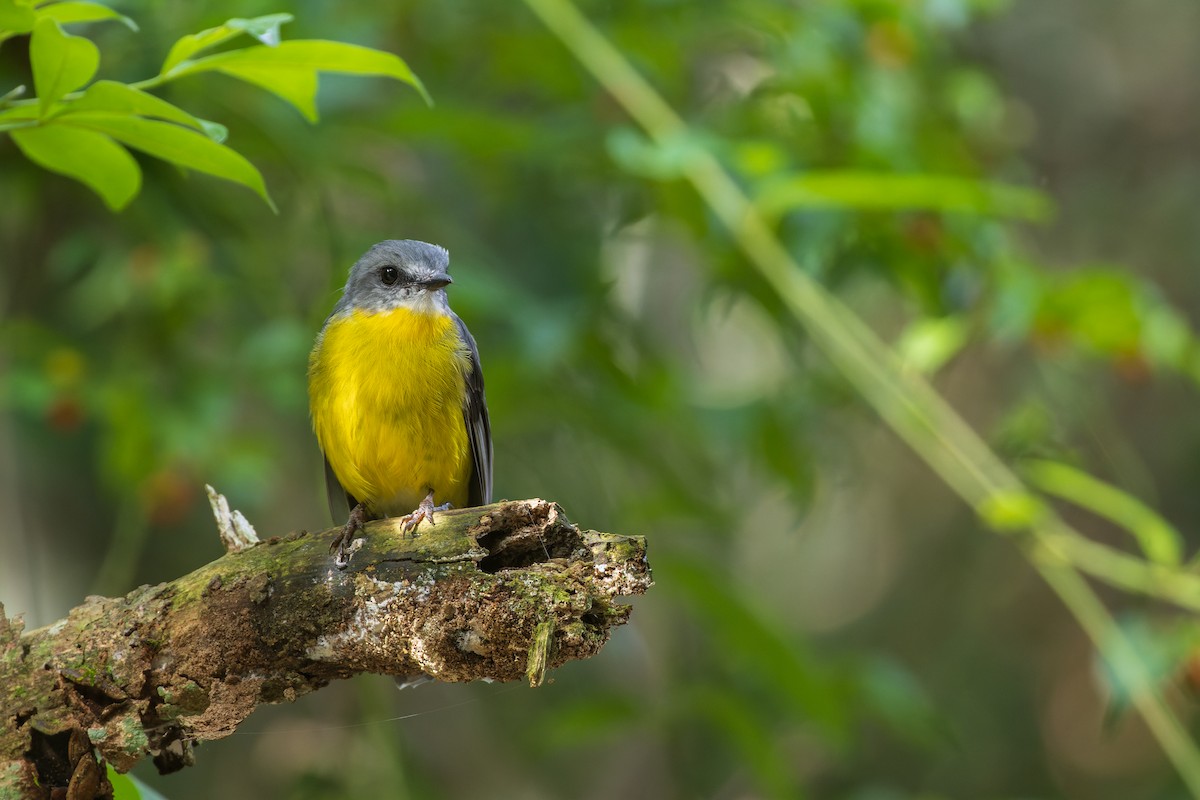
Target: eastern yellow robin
[{"x": 396, "y": 394}]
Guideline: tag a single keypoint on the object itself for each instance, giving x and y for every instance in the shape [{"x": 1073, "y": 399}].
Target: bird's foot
[
  {"x": 354, "y": 524},
  {"x": 409, "y": 522}
]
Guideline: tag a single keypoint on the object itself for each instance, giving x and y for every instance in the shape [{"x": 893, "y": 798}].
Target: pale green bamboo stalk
[{"x": 905, "y": 400}]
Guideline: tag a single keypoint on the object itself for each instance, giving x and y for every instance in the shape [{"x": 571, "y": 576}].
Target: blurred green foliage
[{"x": 823, "y": 624}]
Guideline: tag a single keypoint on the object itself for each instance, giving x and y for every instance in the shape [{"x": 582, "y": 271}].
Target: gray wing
[
  {"x": 340, "y": 501},
  {"x": 479, "y": 427}
]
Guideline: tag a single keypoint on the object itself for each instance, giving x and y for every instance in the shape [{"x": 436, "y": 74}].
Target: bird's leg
[
  {"x": 358, "y": 515},
  {"x": 409, "y": 522}
]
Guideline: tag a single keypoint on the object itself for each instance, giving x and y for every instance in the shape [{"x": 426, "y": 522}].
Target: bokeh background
[{"x": 829, "y": 620}]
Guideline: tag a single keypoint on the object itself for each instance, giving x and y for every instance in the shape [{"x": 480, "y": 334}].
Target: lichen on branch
[{"x": 502, "y": 592}]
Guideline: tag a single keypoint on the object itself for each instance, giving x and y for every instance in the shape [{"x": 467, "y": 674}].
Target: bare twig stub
[
  {"x": 502, "y": 592},
  {"x": 235, "y": 530}
]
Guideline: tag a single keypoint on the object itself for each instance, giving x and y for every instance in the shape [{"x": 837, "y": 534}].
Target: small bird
[{"x": 396, "y": 395}]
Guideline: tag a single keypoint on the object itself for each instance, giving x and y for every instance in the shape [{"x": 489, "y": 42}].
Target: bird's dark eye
[{"x": 389, "y": 275}]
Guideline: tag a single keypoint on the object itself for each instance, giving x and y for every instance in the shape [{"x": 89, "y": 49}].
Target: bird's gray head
[{"x": 398, "y": 273}]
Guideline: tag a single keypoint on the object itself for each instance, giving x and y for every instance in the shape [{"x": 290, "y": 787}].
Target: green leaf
[
  {"x": 21, "y": 113},
  {"x": 296, "y": 87},
  {"x": 128, "y": 787},
  {"x": 15, "y": 18},
  {"x": 61, "y": 63},
  {"x": 1166, "y": 339},
  {"x": 891, "y": 192},
  {"x": 265, "y": 29},
  {"x": 12, "y": 94},
  {"x": 83, "y": 11},
  {"x": 119, "y": 98},
  {"x": 662, "y": 161},
  {"x": 1158, "y": 539},
  {"x": 290, "y": 69},
  {"x": 123, "y": 786},
  {"x": 1162, "y": 646},
  {"x": 895, "y": 695},
  {"x": 87, "y": 156},
  {"x": 170, "y": 142},
  {"x": 214, "y": 130},
  {"x": 1097, "y": 307},
  {"x": 928, "y": 343}
]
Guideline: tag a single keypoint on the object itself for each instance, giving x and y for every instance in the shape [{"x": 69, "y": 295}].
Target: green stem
[
  {"x": 1124, "y": 661},
  {"x": 906, "y": 401},
  {"x": 1125, "y": 571},
  {"x": 148, "y": 83}
]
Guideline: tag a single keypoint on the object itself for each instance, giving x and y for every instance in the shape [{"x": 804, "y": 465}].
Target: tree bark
[{"x": 501, "y": 592}]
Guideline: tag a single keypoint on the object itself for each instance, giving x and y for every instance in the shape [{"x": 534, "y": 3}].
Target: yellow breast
[{"x": 386, "y": 393}]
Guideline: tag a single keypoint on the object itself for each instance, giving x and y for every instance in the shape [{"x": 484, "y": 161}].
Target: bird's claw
[
  {"x": 409, "y": 522},
  {"x": 341, "y": 542}
]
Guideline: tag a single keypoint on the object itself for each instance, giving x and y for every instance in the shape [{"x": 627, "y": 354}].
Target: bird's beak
[{"x": 437, "y": 282}]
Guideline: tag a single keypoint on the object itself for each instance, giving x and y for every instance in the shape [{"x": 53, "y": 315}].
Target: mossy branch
[{"x": 501, "y": 592}]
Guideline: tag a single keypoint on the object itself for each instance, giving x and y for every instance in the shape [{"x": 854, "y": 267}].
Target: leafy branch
[
  {"x": 84, "y": 129},
  {"x": 914, "y": 410}
]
